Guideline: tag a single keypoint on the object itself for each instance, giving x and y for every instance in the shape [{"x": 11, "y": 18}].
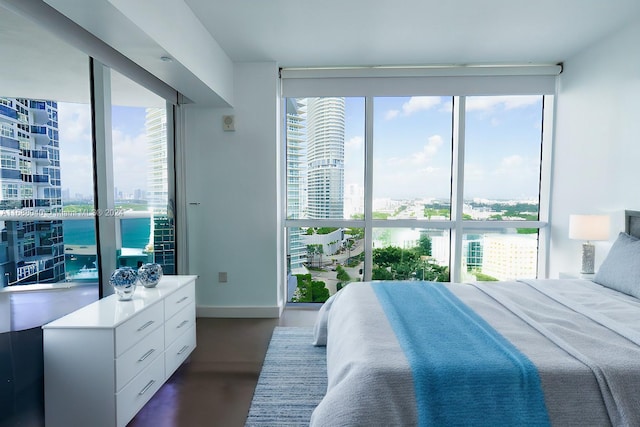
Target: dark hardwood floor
[{"x": 215, "y": 386}]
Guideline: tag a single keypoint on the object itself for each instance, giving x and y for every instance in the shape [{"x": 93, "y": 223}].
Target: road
[{"x": 329, "y": 262}]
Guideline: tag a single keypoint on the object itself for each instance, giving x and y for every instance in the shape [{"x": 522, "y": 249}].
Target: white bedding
[{"x": 582, "y": 338}]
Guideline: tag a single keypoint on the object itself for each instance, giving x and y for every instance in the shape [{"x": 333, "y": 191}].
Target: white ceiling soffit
[
  {"x": 30, "y": 49},
  {"x": 335, "y": 33},
  {"x": 45, "y": 66},
  {"x": 144, "y": 31}
]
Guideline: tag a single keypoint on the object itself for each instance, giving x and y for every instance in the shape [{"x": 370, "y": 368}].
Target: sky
[
  {"x": 129, "y": 148},
  {"x": 412, "y": 147}
]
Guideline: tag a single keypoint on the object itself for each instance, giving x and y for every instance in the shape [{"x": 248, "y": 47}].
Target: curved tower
[{"x": 325, "y": 157}]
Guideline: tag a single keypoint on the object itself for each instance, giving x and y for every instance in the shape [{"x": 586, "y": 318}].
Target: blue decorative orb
[
  {"x": 150, "y": 274},
  {"x": 124, "y": 281}
]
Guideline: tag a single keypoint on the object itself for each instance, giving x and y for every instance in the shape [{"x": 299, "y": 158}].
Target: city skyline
[
  {"x": 413, "y": 165},
  {"x": 412, "y": 147}
]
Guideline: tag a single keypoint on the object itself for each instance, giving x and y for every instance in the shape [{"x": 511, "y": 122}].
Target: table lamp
[{"x": 588, "y": 228}]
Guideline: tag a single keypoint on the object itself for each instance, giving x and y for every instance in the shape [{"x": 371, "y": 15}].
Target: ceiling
[
  {"x": 301, "y": 33},
  {"x": 45, "y": 67},
  {"x": 298, "y": 33}
]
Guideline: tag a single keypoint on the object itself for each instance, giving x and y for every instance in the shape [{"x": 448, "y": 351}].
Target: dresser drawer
[
  {"x": 139, "y": 326},
  {"x": 138, "y": 357},
  {"x": 179, "y": 299},
  {"x": 138, "y": 392},
  {"x": 179, "y": 323},
  {"x": 178, "y": 351}
]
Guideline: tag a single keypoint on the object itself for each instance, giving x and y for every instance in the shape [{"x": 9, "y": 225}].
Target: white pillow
[
  {"x": 620, "y": 270},
  {"x": 321, "y": 325}
]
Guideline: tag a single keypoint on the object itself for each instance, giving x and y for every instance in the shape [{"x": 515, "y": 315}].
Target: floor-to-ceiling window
[
  {"x": 46, "y": 175},
  {"x": 141, "y": 175},
  {"x": 51, "y": 183},
  {"x": 46, "y": 179},
  {"x": 443, "y": 188}
]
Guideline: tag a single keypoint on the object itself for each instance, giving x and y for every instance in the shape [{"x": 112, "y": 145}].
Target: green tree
[
  {"x": 390, "y": 256},
  {"x": 379, "y": 273},
  {"x": 433, "y": 272},
  {"x": 309, "y": 290},
  {"x": 319, "y": 292},
  {"x": 311, "y": 253},
  {"x": 325, "y": 230},
  {"x": 481, "y": 277},
  {"x": 349, "y": 244},
  {"x": 394, "y": 263},
  {"x": 424, "y": 245},
  {"x": 357, "y": 233},
  {"x": 342, "y": 275}
]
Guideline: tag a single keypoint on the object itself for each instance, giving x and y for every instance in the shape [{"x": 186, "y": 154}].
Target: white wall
[
  {"x": 597, "y": 142},
  {"x": 234, "y": 176}
]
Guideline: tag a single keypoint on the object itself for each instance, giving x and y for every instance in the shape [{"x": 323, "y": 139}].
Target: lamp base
[{"x": 588, "y": 258}]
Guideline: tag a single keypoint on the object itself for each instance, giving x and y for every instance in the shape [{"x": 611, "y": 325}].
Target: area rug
[{"x": 292, "y": 382}]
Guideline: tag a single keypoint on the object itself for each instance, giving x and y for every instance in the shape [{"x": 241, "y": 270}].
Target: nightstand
[{"x": 586, "y": 276}]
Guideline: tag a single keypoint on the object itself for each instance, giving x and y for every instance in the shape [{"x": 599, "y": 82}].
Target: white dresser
[{"x": 102, "y": 363}]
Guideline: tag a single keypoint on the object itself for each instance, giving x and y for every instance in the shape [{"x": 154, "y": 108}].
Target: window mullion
[
  {"x": 106, "y": 225},
  {"x": 457, "y": 187},
  {"x": 546, "y": 176},
  {"x": 368, "y": 188}
]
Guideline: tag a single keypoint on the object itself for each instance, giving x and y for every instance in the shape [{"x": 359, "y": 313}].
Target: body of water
[{"x": 81, "y": 235}]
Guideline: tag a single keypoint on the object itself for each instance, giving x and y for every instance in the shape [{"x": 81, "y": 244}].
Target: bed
[{"x": 562, "y": 352}]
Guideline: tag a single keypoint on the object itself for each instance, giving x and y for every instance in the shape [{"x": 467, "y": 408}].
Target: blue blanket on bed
[{"x": 465, "y": 372}]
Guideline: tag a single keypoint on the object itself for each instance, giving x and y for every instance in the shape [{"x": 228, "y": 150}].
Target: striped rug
[{"x": 292, "y": 382}]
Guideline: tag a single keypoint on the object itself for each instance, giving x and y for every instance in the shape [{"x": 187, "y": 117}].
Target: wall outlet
[{"x": 222, "y": 277}]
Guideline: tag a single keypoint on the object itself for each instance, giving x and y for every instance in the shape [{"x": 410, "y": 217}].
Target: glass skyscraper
[
  {"x": 296, "y": 179},
  {"x": 32, "y": 247}
]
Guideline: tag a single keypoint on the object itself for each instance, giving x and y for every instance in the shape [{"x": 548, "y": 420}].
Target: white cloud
[
  {"x": 129, "y": 161},
  {"x": 391, "y": 114},
  {"x": 428, "y": 151},
  {"x": 418, "y": 158},
  {"x": 76, "y": 161},
  {"x": 74, "y": 122},
  {"x": 490, "y": 103},
  {"x": 400, "y": 180},
  {"x": 420, "y": 103},
  {"x": 354, "y": 143},
  {"x": 76, "y": 164},
  {"x": 511, "y": 162},
  {"x": 514, "y": 177}
]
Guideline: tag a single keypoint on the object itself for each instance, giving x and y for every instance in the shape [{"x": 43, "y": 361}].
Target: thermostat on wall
[{"x": 228, "y": 123}]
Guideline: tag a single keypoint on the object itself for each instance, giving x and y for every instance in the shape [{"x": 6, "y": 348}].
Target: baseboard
[{"x": 239, "y": 312}]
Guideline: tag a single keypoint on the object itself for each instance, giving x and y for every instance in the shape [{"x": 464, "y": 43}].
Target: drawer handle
[
  {"x": 146, "y": 325},
  {"x": 183, "y": 349},
  {"x": 147, "y": 387},
  {"x": 184, "y": 322},
  {"x": 182, "y": 299},
  {"x": 147, "y": 354}
]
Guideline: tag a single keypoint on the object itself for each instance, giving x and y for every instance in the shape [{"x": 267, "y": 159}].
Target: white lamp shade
[{"x": 589, "y": 227}]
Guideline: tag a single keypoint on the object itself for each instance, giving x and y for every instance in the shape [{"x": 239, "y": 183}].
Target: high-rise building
[
  {"x": 296, "y": 179},
  {"x": 32, "y": 248},
  {"x": 510, "y": 256},
  {"x": 157, "y": 176},
  {"x": 325, "y": 157},
  {"x": 162, "y": 236}
]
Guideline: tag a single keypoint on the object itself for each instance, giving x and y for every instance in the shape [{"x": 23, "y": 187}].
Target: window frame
[{"x": 457, "y": 226}]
